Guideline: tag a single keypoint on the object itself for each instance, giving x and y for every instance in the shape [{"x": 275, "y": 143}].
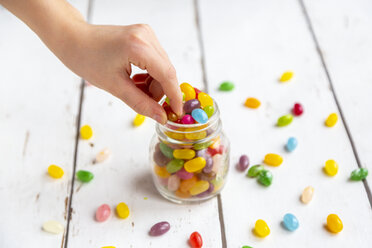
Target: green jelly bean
[
  {"x": 201, "y": 146},
  {"x": 217, "y": 182},
  {"x": 265, "y": 178},
  {"x": 285, "y": 120},
  {"x": 175, "y": 165},
  {"x": 209, "y": 110},
  {"x": 226, "y": 86},
  {"x": 359, "y": 174},
  {"x": 255, "y": 170},
  {"x": 166, "y": 150},
  {"x": 84, "y": 176},
  {"x": 246, "y": 246}
]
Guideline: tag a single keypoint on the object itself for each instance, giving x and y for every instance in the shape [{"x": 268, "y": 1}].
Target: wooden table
[{"x": 327, "y": 43}]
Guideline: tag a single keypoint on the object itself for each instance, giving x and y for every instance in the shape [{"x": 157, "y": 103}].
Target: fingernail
[{"x": 159, "y": 119}]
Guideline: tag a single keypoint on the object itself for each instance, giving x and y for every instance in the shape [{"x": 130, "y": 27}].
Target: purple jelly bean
[
  {"x": 243, "y": 163},
  {"x": 207, "y": 192},
  {"x": 159, "y": 157},
  {"x": 183, "y": 174},
  {"x": 190, "y": 105},
  {"x": 159, "y": 228},
  {"x": 187, "y": 119},
  {"x": 209, "y": 165},
  {"x": 202, "y": 153}
]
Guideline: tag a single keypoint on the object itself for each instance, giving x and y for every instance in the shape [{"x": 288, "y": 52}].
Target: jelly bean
[
  {"x": 213, "y": 152},
  {"x": 226, "y": 86},
  {"x": 208, "y": 165},
  {"x": 183, "y": 174},
  {"x": 197, "y": 91},
  {"x": 184, "y": 153},
  {"x": 209, "y": 110},
  {"x": 175, "y": 165},
  {"x": 103, "y": 213},
  {"x": 199, "y": 187},
  {"x": 122, "y": 210},
  {"x": 255, "y": 170},
  {"x": 138, "y": 120},
  {"x": 252, "y": 102},
  {"x": 163, "y": 181},
  {"x": 286, "y": 76},
  {"x": 170, "y": 114},
  {"x": 84, "y": 176},
  {"x": 291, "y": 144},
  {"x": 159, "y": 158},
  {"x": 359, "y": 174},
  {"x": 216, "y": 143},
  {"x": 265, "y": 177},
  {"x": 217, "y": 162},
  {"x": 173, "y": 182},
  {"x": 102, "y": 155},
  {"x": 273, "y": 159},
  {"x": 53, "y": 227},
  {"x": 202, "y": 153},
  {"x": 159, "y": 228},
  {"x": 181, "y": 194},
  {"x": 307, "y": 194},
  {"x": 187, "y": 184},
  {"x": 190, "y": 105},
  {"x": 140, "y": 77},
  {"x": 55, "y": 171},
  {"x": 246, "y": 246},
  {"x": 174, "y": 135},
  {"x": 161, "y": 171},
  {"x": 285, "y": 120},
  {"x": 188, "y": 90},
  {"x": 261, "y": 229},
  {"x": 196, "y": 240},
  {"x": 334, "y": 223},
  {"x": 331, "y": 120},
  {"x": 207, "y": 176},
  {"x": 297, "y": 109},
  {"x": 243, "y": 163},
  {"x": 331, "y": 167},
  {"x": 205, "y": 99},
  {"x": 217, "y": 183},
  {"x": 193, "y": 134},
  {"x": 108, "y": 247},
  {"x": 187, "y": 119},
  {"x": 166, "y": 150},
  {"x": 207, "y": 192},
  {"x": 86, "y": 132},
  {"x": 200, "y": 116},
  {"x": 202, "y": 146},
  {"x": 290, "y": 222},
  {"x": 195, "y": 164}
]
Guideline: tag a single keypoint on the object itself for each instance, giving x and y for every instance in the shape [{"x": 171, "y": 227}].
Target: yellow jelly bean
[
  {"x": 196, "y": 135},
  {"x": 307, "y": 194},
  {"x": 216, "y": 143},
  {"x": 205, "y": 99},
  {"x": 334, "y": 223},
  {"x": 55, "y": 171},
  {"x": 187, "y": 184},
  {"x": 331, "y": 120},
  {"x": 138, "y": 120},
  {"x": 188, "y": 90},
  {"x": 273, "y": 159},
  {"x": 261, "y": 229},
  {"x": 199, "y": 187},
  {"x": 331, "y": 167},
  {"x": 122, "y": 210},
  {"x": 252, "y": 102},
  {"x": 86, "y": 132},
  {"x": 195, "y": 164},
  {"x": 108, "y": 247},
  {"x": 174, "y": 135},
  {"x": 161, "y": 171},
  {"x": 286, "y": 76},
  {"x": 184, "y": 153}
]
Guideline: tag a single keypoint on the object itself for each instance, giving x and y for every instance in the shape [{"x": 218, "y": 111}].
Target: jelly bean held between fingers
[
  {"x": 297, "y": 109},
  {"x": 138, "y": 120},
  {"x": 84, "y": 176},
  {"x": 331, "y": 167},
  {"x": 334, "y": 223},
  {"x": 55, "y": 171},
  {"x": 243, "y": 162},
  {"x": 261, "y": 229},
  {"x": 86, "y": 132},
  {"x": 200, "y": 116},
  {"x": 331, "y": 120},
  {"x": 290, "y": 222},
  {"x": 159, "y": 228},
  {"x": 291, "y": 144},
  {"x": 103, "y": 213},
  {"x": 273, "y": 159},
  {"x": 255, "y": 170},
  {"x": 53, "y": 227},
  {"x": 286, "y": 76},
  {"x": 188, "y": 90},
  {"x": 252, "y": 102},
  {"x": 359, "y": 174},
  {"x": 226, "y": 86},
  {"x": 122, "y": 210},
  {"x": 285, "y": 120},
  {"x": 265, "y": 178},
  {"x": 196, "y": 240},
  {"x": 307, "y": 194}
]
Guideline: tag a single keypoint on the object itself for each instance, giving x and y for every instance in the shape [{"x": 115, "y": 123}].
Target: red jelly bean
[
  {"x": 197, "y": 91},
  {"x": 297, "y": 109},
  {"x": 196, "y": 240},
  {"x": 213, "y": 152},
  {"x": 103, "y": 213},
  {"x": 140, "y": 77}
]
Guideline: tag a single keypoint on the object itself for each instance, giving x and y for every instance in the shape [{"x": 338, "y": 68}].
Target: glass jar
[{"x": 190, "y": 162}]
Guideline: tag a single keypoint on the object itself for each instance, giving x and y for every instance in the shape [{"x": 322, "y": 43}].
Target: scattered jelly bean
[
  {"x": 183, "y": 153},
  {"x": 307, "y": 194},
  {"x": 166, "y": 150},
  {"x": 196, "y": 240},
  {"x": 331, "y": 167},
  {"x": 291, "y": 144},
  {"x": 255, "y": 170},
  {"x": 103, "y": 213},
  {"x": 195, "y": 164},
  {"x": 173, "y": 182},
  {"x": 86, "y": 132},
  {"x": 108, "y": 247},
  {"x": 187, "y": 184},
  {"x": 199, "y": 187},
  {"x": 290, "y": 222},
  {"x": 55, "y": 171},
  {"x": 138, "y": 120},
  {"x": 159, "y": 228},
  {"x": 205, "y": 99},
  {"x": 161, "y": 171},
  {"x": 265, "y": 177},
  {"x": 359, "y": 174},
  {"x": 102, "y": 155},
  {"x": 243, "y": 163},
  {"x": 285, "y": 120},
  {"x": 226, "y": 86},
  {"x": 246, "y": 246},
  {"x": 53, "y": 227},
  {"x": 190, "y": 105},
  {"x": 84, "y": 176},
  {"x": 175, "y": 165},
  {"x": 183, "y": 174},
  {"x": 208, "y": 165},
  {"x": 122, "y": 210},
  {"x": 188, "y": 90},
  {"x": 187, "y": 119},
  {"x": 252, "y": 102},
  {"x": 334, "y": 223},
  {"x": 297, "y": 109},
  {"x": 209, "y": 110},
  {"x": 286, "y": 76},
  {"x": 200, "y": 116},
  {"x": 261, "y": 229},
  {"x": 331, "y": 120},
  {"x": 273, "y": 159}
]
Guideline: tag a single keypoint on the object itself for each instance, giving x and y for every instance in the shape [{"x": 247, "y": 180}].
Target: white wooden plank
[
  {"x": 344, "y": 37},
  {"x": 38, "y": 105},
  {"x": 252, "y": 43},
  {"x": 126, "y": 176}
]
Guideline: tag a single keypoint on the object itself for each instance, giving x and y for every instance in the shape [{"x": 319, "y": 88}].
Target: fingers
[{"x": 156, "y": 90}]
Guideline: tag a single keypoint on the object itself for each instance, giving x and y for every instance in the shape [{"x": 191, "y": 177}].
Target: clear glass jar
[{"x": 189, "y": 163}]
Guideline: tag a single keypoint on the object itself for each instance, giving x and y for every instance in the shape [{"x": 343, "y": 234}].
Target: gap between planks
[{"x": 330, "y": 81}]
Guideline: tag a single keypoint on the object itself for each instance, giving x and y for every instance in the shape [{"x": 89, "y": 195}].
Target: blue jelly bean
[
  {"x": 291, "y": 144},
  {"x": 199, "y": 115},
  {"x": 290, "y": 222}
]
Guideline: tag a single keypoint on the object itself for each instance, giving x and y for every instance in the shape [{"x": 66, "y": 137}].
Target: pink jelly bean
[
  {"x": 183, "y": 174},
  {"x": 173, "y": 183},
  {"x": 159, "y": 228},
  {"x": 103, "y": 213},
  {"x": 187, "y": 119}
]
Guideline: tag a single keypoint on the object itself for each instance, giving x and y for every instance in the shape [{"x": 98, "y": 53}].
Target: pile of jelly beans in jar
[{"x": 190, "y": 156}]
